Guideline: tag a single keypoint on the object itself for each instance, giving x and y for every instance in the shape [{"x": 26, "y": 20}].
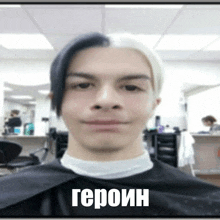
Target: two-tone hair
[{"x": 61, "y": 62}]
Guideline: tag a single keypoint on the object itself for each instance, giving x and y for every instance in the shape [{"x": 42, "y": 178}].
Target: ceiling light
[
  {"x": 21, "y": 97},
  {"x": 33, "y": 103},
  {"x": 44, "y": 92},
  {"x": 150, "y": 40},
  {"x": 155, "y": 6},
  {"x": 213, "y": 46},
  {"x": 7, "y": 89},
  {"x": 9, "y": 6},
  {"x": 25, "y": 41},
  {"x": 185, "y": 42}
]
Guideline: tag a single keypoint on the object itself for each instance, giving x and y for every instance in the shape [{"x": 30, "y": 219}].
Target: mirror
[{"x": 28, "y": 100}]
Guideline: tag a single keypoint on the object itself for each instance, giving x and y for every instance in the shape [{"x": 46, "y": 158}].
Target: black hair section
[{"x": 60, "y": 64}]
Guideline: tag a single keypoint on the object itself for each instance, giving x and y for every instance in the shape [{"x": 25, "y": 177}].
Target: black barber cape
[{"x": 46, "y": 190}]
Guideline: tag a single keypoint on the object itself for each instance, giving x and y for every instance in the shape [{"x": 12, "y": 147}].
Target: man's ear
[
  {"x": 50, "y": 95},
  {"x": 156, "y": 103}
]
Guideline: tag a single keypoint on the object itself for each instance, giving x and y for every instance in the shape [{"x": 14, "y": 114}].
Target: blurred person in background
[
  {"x": 210, "y": 121},
  {"x": 14, "y": 121}
]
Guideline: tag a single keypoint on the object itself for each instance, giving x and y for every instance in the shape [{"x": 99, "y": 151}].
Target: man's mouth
[
  {"x": 104, "y": 122},
  {"x": 105, "y": 125}
]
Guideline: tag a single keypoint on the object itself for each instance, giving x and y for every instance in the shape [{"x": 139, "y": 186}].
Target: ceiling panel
[
  {"x": 67, "y": 20},
  {"x": 60, "y": 23},
  {"x": 65, "y": 6},
  {"x": 205, "y": 56},
  {"x": 203, "y": 6},
  {"x": 139, "y": 21},
  {"x": 174, "y": 54},
  {"x": 15, "y": 20},
  {"x": 196, "y": 22}
]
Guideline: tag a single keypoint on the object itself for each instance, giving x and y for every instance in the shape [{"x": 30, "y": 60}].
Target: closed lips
[{"x": 104, "y": 122}]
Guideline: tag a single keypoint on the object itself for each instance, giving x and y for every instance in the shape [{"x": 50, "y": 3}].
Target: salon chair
[{"x": 10, "y": 159}]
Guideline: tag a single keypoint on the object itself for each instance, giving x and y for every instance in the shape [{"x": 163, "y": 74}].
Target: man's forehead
[{"x": 106, "y": 60}]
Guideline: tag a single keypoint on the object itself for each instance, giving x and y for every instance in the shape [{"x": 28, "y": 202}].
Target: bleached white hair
[{"x": 127, "y": 40}]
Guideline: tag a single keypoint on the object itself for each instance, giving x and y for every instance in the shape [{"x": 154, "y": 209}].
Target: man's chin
[{"x": 104, "y": 147}]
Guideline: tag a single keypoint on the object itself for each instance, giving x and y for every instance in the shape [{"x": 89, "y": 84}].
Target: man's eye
[
  {"x": 81, "y": 86},
  {"x": 132, "y": 88},
  {"x": 84, "y": 85}
]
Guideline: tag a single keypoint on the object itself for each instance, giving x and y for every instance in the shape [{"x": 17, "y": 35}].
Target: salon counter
[
  {"x": 207, "y": 153},
  {"x": 205, "y": 135},
  {"x": 23, "y": 136}
]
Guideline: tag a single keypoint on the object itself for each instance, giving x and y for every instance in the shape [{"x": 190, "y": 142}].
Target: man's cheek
[{"x": 70, "y": 106}]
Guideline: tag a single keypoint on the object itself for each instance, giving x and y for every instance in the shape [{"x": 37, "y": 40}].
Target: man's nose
[{"x": 107, "y": 98}]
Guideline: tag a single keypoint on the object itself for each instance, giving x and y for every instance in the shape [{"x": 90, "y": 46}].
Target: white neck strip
[{"x": 108, "y": 170}]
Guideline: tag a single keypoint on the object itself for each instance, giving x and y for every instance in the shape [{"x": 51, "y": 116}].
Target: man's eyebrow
[
  {"x": 123, "y": 78},
  {"x": 131, "y": 77},
  {"x": 83, "y": 75}
]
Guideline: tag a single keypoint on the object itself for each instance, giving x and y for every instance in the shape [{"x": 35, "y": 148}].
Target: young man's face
[{"x": 108, "y": 98}]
